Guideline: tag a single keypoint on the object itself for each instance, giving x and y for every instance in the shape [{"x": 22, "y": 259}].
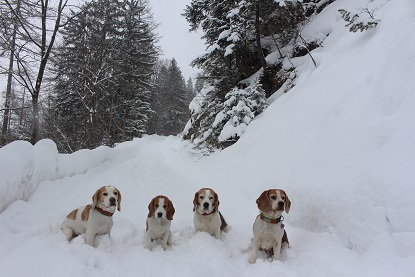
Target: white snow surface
[{"x": 341, "y": 144}]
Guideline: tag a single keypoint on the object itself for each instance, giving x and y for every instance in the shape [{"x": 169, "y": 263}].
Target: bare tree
[
  {"x": 37, "y": 25},
  {"x": 12, "y": 47}
]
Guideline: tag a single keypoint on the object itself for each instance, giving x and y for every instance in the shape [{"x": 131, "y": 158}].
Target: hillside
[{"x": 340, "y": 143}]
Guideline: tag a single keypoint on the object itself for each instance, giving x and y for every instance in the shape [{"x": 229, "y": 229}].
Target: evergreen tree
[
  {"x": 104, "y": 70},
  {"x": 200, "y": 82},
  {"x": 239, "y": 35},
  {"x": 176, "y": 96},
  {"x": 172, "y": 99},
  {"x": 158, "y": 101},
  {"x": 190, "y": 90},
  {"x": 227, "y": 121},
  {"x": 136, "y": 55}
]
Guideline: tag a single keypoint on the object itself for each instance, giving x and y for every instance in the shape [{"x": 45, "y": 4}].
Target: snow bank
[
  {"x": 342, "y": 141},
  {"x": 23, "y": 167}
]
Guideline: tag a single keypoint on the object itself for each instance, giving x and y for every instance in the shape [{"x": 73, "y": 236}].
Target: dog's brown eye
[
  {"x": 211, "y": 197},
  {"x": 115, "y": 193},
  {"x": 273, "y": 197},
  {"x": 157, "y": 206},
  {"x": 105, "y": 194},
  {"x": 164, "y": 206},
  {"x": 201, "y": 197}
]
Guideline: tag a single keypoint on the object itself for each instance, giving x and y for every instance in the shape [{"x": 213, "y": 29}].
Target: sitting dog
[
  {"x": 269, "y": 233},
  {"x": 94, "y": 219},
  {"x": 160, "y": 215},
  {"x": 207, "y": 217}
]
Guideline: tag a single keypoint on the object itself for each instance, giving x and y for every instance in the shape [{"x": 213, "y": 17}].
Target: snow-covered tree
[
  {"x": 239, "y": 35},
  {"x": 204, "y": 108},
  {"x": 104, "y": 68},
  {"x": 221, "y": 125},
  {"x": 159, "y": 81},
  {"x": 171, "y": 99},
  {"x": 176, "y": 95}
]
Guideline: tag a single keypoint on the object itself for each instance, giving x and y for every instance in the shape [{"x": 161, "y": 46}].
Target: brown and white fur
[
  {"x": 160, "y": 215},
  {"x": 269, "y": 233},
  {"x": 207, "y": 217},
  {"x": 94, "y": 219}
]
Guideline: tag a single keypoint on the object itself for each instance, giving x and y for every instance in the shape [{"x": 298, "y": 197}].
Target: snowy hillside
[{"x": 341, "y": 143}]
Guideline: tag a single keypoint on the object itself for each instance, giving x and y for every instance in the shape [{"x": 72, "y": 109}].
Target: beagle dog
[
  {"x": 160, "y": 215},
  {"x": 207, "y": 217},
  {"x": 94, "y": 219},
  {"x": 269, "y": 233}
]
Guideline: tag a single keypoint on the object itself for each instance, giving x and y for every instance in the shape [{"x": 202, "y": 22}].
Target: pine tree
[
  {"x": 190, "y": 89},
  {"x": 200, "y": 82},
  {"x": 176, "y": 96},
  {"x": 104, "y": 70},
  {"x": 160, "y": 77},
  {"x": 228, "y": 121},
  {"x": 172, "y": 98},
  {"x": 239, "y": 35},
  {"x": 136, "y": 56}
]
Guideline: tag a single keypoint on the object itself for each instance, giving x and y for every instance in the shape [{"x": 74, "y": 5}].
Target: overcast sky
[{"x": 176, "y": 41}]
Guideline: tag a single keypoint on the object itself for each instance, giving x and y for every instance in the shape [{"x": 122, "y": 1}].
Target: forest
[{"x": 92, "y": 75}]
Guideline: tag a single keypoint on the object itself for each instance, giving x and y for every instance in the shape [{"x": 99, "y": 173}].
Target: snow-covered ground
[{"x": 341, "y": 144}]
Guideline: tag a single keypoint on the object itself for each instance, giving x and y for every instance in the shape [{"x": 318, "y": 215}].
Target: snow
[
  {"x": 229, "y": 49},
  {"x": 23, "y": 167},
  {"x": 232, "y": 128},
  {"x": 224, "y": 34},
  {"x": 213, "y": 48},
  {"x": 196, "y": 104},
  {"x": 340, "y": 143}
]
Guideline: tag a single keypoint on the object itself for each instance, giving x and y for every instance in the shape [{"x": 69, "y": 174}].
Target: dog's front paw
[
  {"x": 252, "y": 260},
  {"x": 148, "y": 246},
  {"x": 226, "y": 229}
]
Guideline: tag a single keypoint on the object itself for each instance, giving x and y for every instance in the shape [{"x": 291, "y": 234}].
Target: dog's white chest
[
  {"x": 207, "y": 223},
  {"x": 157, "y": 228},
  {"x": 267, "y": 234}
]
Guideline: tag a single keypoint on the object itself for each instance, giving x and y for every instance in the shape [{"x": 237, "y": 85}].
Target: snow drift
[{"x": 23, "y": 167}]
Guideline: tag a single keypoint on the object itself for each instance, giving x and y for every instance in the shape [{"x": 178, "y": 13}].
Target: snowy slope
[{"x": 340, "y": 143}]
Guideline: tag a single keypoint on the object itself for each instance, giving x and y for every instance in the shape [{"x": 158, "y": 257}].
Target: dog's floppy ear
[
  {"x": 170, "y": 209},
  {"x": 118, "y": 199},
  {"x": 195, "y": 201},
  {"x": 95, "y": 198},
  {"x": 151, "y": 208},
  {"x": 287, "y": 204},
  {"x": 263, "y": 202},
  {"x": 216, "y": 199}
]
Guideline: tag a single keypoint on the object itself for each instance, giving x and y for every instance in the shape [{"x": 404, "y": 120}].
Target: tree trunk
[
  {"x": 258, "y": 40},
  {"x": 35, "y": 130},
  {"x": 6, "y": 115},
  {"x": 45, "y": 52},
  {"x": 267, "y": 79}
]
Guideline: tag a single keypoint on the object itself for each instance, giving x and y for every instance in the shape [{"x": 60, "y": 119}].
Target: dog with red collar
[
  {"x": 269, "y": 232},
  {"x": 94, "y": 219},
  {"x": 207, "y": 217}
]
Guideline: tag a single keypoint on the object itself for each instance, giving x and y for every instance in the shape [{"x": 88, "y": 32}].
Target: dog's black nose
[
  {"x": 205, "y": 205},
  {"x": 112, "y": 201},
  {"x": 280, "y": 204},
  {"x": 159, "y": 215}
]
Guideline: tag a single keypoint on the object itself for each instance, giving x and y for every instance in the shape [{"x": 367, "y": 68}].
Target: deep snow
[{"x": 340, "y": 143}]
